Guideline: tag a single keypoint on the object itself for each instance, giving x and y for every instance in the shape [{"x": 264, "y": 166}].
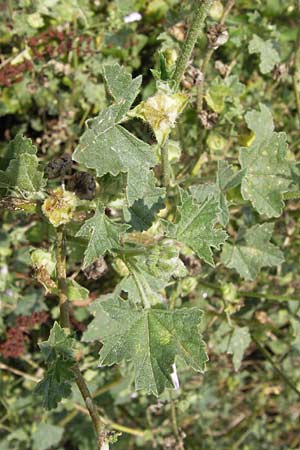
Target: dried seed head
[
  {"x": 208, "y": 119},
  {"x": 179, "y": 31},
  {"x": 96, "y": 270},
  {"x": 192, "y": 77},
  {"x": 84, "y": 185},
  {"x": 59, "y": 167},
  {"x": 217, "y": 35},
  {"x": 221, "y": 68}
]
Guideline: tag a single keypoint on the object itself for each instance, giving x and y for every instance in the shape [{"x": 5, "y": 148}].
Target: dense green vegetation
[{"x": 149, "y": 203}]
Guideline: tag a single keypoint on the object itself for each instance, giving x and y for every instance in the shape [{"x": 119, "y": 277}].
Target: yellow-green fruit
[
  {"x": 59, "y": 207},
  {"x": 216, "y": 10}
]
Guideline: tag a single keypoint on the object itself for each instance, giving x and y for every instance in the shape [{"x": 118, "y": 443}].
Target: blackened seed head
[{"x": 59, "y": 167}]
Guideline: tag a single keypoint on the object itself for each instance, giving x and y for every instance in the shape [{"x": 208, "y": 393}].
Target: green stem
[
  {"x": 175, "y": 422},
  {"x": 276, "y": 367},
  {"x": 202, "y": 8},
  {"x": 65, "y": 323}
]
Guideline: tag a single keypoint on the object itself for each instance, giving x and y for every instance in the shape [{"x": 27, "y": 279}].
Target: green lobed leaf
[
  {"x": 267, "y": 171},
  {"x": 269, "y": 56},
  {"x": 253, "y": 252},
  {"x": 121, "y": 86},
  {"x": 227, "y": 179},
  {"x": 151, "y": 339},
  {"x": 196, "y": 226},
  {"x": 107, "y": 147},
  {"x": 102, "y": 234}
]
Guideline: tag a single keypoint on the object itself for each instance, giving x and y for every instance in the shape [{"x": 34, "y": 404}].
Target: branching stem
[{"x": 207, "y": 58}]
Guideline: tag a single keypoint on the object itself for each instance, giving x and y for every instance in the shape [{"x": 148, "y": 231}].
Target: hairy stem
[
  {"x": 65, "y": 323},
  {"x": 207, "y": 58},
  {"x": 202, "y": 8}
]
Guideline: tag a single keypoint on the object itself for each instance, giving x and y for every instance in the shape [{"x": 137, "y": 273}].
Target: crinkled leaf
[
  {"x": 151, "y": 339},
  {"x": 268, "y": 54},
  {"x": 47, "y": 436},
  {"x": 196, "y": 226},
  {"x": 267, "y": 171},
  {"x": 107, "y": 147},
  {"x": 253, "y": 252},
  {"x": 150, "y": 273},
  {"x": 102, "y": 234}
]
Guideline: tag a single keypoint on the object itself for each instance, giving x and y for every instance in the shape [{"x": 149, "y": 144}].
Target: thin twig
[{"x": 201, "y": 12}]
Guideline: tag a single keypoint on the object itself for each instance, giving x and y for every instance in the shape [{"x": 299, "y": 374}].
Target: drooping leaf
[
  {"x": 46, "y": 436},
  {"x": 56, "y": 383},
  {"x": 267, "y": 171},
  {"x": 102, "y": 234},
  {"x": 107, "y": 147},
  {"x": 268, "y": 54},
  {"x": 151, "y": 339},
  {"x": 57, "y": 351},
  {"x": 253, "y": 252},
  {"x": 196, "y": 226}
]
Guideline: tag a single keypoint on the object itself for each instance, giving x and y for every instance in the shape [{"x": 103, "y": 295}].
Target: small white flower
[{"x": 133, "y": 17}]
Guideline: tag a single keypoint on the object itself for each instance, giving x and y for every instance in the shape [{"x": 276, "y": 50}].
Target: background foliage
[{"x": 245, "y": 112}]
